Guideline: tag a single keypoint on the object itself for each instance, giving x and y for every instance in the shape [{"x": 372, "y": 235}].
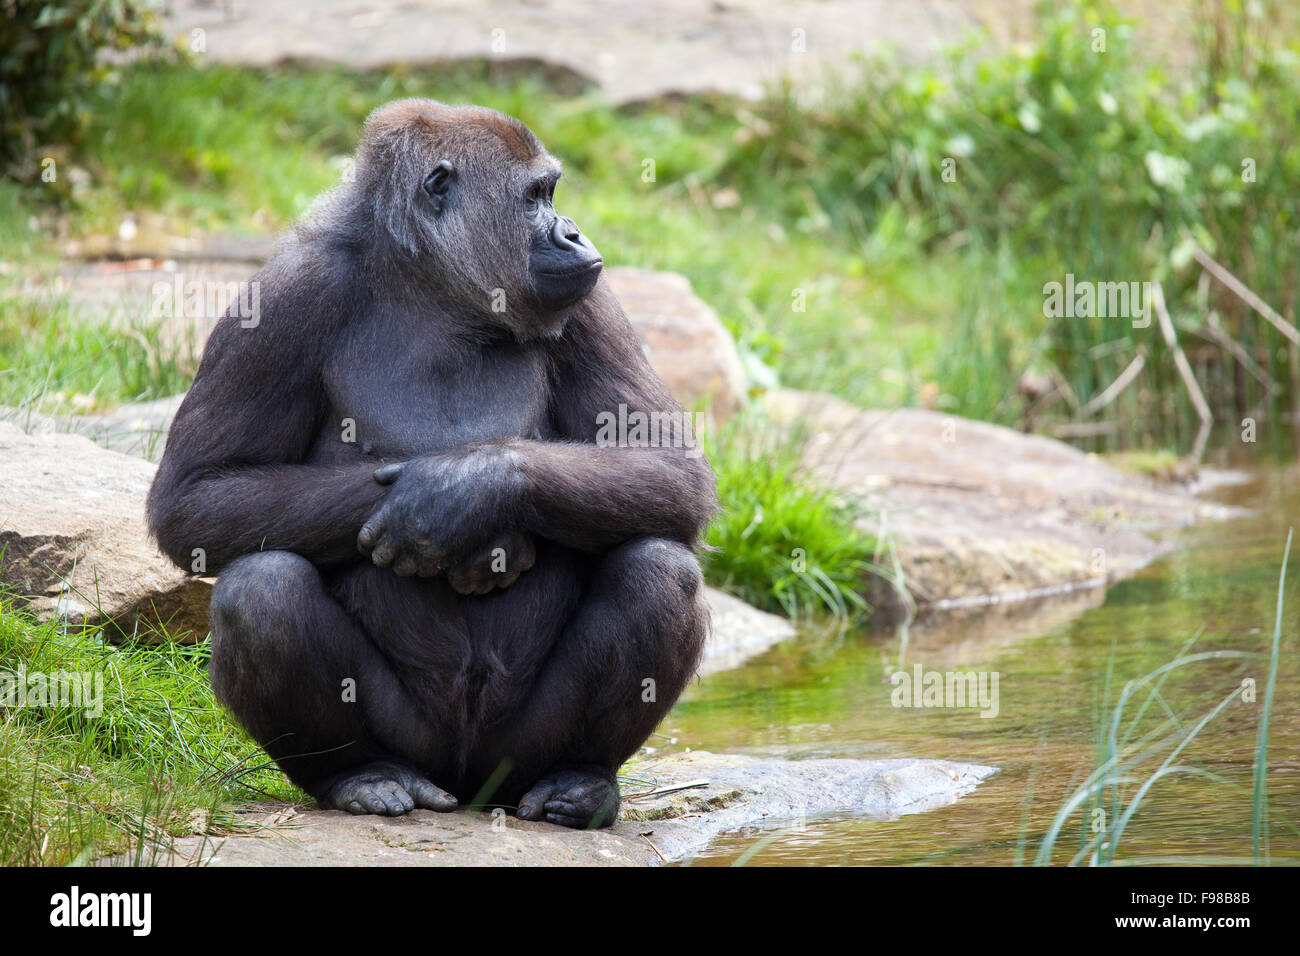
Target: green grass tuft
[
  {"x": 162, "y": 760},
  {"x": 782, "y": 543}
]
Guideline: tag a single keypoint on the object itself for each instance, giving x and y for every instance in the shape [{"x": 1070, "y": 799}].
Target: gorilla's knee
[
  {"x": 258, "y": 588},
  {"x": 655, "y": 564}
]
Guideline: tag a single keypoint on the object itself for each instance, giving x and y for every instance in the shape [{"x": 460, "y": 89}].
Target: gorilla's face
[
  {"x": 563, "y": 265},
  {"x": 466, "y": 195},
  {"x": 496, "y": 219}
]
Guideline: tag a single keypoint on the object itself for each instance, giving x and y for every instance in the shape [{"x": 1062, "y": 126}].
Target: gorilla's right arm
[{"x": 232, "y": 480}]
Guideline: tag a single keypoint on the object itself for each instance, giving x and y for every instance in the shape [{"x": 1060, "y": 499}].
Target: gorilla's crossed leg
[{"x": 283, "y": 647}]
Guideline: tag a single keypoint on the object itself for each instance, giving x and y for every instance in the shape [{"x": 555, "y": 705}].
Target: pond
[{"x": 1060, "y": 674}]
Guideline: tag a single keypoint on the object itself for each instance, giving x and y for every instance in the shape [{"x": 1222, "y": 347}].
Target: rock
[
  {"x": 739, "y": 632},
  {"x": 74, "y": 543},
  {"x": 638, "y": 52},
  {"x": 654, "y": 827},
  {"x": 689, "y": 348},
  {"x": 981, "y": 514},
  {"x": 138, "y": 428}
]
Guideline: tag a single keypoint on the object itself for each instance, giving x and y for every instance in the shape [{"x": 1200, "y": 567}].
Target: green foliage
[
  {"x": 160, "y": 761},
  {"x": 50, "y": 61},
  {"x": 781, "y": 542},
  {"x": 1065, "y": 158},
  {"x": 58, "y": 360}
]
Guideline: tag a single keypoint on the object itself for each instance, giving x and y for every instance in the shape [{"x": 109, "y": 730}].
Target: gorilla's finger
[
  {"x": 388, "y": 474},
  {"x": 372, "y": 801},
  {"x": 384, "y": 552},
  {"x": 397, "y": 799},
  {"x": 526, "y": 554},
  {"x": 405, "y": 566},
  {"x": 432, "y": 798},
  {"x": 530, "y": 806},
  {"x": 367, "y": 537},
  {"x": 574, "y": 823}
]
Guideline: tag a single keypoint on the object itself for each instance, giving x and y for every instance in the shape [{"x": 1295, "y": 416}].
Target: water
[{"x": 828, "y": 695}]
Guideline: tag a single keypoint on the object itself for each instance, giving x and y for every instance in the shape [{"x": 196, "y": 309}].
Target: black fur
[{"x": 501, "y": 591}]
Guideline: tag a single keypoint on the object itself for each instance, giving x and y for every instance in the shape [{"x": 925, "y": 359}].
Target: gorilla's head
[{"x": 460, "y": 198}]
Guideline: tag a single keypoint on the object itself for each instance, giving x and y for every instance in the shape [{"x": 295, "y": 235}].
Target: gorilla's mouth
[{"x": 578, "y": 273}]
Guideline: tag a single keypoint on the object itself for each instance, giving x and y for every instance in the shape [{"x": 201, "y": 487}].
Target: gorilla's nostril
[{"x": 566, "y": 231}]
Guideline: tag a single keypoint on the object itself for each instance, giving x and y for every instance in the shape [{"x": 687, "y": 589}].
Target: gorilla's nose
[{"x": 565, "y": 233}]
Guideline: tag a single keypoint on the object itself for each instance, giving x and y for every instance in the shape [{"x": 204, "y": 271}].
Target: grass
[
  {"x": 56, "y": 359},
  {"x": 231, "y": 150},
  {"x": 780, "y": 542},
  {"x": 1122, "y": 778},
  {"x": 162, "y": 759}
]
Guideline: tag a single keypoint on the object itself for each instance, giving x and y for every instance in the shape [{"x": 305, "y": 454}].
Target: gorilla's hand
[
  {"x": 496, "y": 566},
  {"x": 443, "y": 510}
]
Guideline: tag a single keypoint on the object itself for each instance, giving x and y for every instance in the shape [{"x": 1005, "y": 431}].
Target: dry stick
[
  {"x": 1243, "y": 293},
  {"x": 1185, "y": 370},
  {"x": 653, "y": 847},
  {"x": 1214, "y": 333},
  {"x": 1084, "y": 429},
  {"x": 1112, "y": 391},
  {"x": 690, "y": 785}
]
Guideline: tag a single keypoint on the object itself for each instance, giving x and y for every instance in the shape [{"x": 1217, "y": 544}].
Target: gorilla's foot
[
  {"x": 386, "y": 788},
  {"x": 582, "y": 796}
]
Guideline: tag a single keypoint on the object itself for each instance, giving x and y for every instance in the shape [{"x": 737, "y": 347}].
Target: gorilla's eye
[
  {"x": 439, "y": 180},
  {"x": 535, "y": 193}
]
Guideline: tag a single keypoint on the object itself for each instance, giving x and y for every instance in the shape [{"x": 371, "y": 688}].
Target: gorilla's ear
[{"x": 438, "y": 182}]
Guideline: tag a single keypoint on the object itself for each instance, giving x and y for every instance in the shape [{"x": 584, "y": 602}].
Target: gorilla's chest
[{"x": 423, "y": 397}]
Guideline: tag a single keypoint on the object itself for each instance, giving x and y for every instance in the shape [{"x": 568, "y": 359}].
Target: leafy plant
[{"x": 50, "y": 61}]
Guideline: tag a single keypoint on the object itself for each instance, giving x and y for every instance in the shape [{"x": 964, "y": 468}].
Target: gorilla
[{"x": 437, "y": 582}]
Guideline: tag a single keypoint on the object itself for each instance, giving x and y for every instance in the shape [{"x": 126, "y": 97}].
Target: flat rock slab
[
  {"x": 138, "y": 429},
  {"x": 742, "y": 793},
  {"x": 633, "y": 50},
  {"x": 981, "y": 514},
  {"x": 738, "y": 632}
]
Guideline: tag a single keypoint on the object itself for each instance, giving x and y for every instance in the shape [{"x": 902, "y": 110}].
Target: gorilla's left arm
[{"x": 590, "y": 497}]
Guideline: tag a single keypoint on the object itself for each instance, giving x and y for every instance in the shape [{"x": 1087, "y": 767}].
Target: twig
[
  {"x": 1084, "y": 429},
  {"x": 1185, "y": 370},
  {"x": 1112, "y": 391},
  {"x": 1213, "y": 332},
  {"x": 653, "y": 847},
  {"x": 1243, "y": 293},
  {"x": 690, "y": 785}
]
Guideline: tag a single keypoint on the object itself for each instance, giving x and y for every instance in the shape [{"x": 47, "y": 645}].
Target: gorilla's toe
[
  {"x": 389, "y": 789},
  {"x": 583, "y": 797}
]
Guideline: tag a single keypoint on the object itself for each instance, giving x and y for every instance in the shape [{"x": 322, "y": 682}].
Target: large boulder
[
  {"x": 73, "y": 541},
  {"x": 689, "y": 348},
  {"x": 979, "y": 514},
  {"x": 137, "y": 428}
]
